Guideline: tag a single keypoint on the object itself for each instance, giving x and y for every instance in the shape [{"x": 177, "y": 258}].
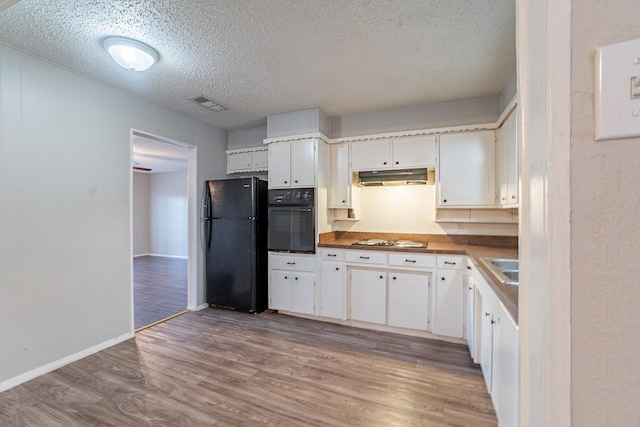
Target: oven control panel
[{"x": 296, "y": 196}]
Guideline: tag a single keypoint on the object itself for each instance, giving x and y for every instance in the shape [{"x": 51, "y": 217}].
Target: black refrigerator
[{"x": 235, "y": 243}]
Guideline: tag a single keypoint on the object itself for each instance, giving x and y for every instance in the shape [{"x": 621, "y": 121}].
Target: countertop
[{"x": 507, "y": 294}]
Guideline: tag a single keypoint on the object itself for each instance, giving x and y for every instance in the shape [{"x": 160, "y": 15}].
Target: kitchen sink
[{"x": 505, "y": 270}]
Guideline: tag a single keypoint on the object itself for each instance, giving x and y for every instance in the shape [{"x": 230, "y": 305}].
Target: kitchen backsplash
[{"x": 411, "y": 209}]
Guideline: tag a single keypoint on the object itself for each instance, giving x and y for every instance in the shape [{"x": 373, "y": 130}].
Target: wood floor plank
[
  {"x": 223, "y": 368},
  {"x": 159, "y": 288}
]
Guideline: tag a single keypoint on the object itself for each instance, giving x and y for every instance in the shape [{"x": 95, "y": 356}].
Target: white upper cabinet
[
  {"x": 371, "y": 155},
  {"x": 292, "y": 164},
  {"x": 509, "y": 162},
  {"x": 414, "y": 151},
  {"x": 466, "y": 170},
  {"x": 252, "y": 160},
  {"x": 400, "y": 153},
  {"x": 340, "y": 180}
]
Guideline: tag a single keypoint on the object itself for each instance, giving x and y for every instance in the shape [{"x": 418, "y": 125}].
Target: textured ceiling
[
  {"x": 263, "y": 57},
  {"x": 158, "y": 156}
]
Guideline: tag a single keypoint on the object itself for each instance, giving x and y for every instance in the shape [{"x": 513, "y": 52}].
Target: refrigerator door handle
[{"x": 208, "y": 233}]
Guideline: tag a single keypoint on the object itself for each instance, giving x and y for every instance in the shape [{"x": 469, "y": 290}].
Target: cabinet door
[
  {"x": 238, "y": 162},
  {"x": 279, "y": 162},
  {"x": 450, "y": 295},
  {"x": 503, "y": 158},
  {"x": 368, "y": 295},
  {"x": 409, "y": 300},
  {"x": 486, "y": 338},
  {"x": 371, "y": 155},
  {"x": 513, "y": 157},
  {"x": 467, "y": 170},
  {"x": 471, "y": 305},
  {"x": 303, "y": 292},
  {"x": 414, "y": 151},
  {"x": 331, "y": 292},
  {"x": 260, "y": 160},
  {"x": 280, "y": 290},
  {"x": 303, "y": 161},
  {"x": 340, "y": 177},
  {"x": 506, "y": 369}
]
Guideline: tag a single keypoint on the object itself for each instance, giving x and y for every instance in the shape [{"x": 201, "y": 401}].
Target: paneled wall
[
  {"x": 65, "y": 210},
  {"x": 140, "y": 227},
  {"x": 168, "y": 231}
]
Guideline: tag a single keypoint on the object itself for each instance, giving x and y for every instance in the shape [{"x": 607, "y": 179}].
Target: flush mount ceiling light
[{"x": 130, "y": 54}]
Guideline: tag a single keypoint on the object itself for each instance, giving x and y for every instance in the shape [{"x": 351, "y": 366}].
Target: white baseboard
[
  {"x": 198, "y": 308},
  {"x": 139, "y": 255},
  {"x": 168, "y": 256},
  {"x": 23, "y": 378}
]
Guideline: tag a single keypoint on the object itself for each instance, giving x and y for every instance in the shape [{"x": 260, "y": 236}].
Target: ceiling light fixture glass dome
[{"x": 130, "y": 54}]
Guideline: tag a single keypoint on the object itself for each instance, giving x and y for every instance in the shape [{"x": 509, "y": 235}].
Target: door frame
[{"x": 192, "y": 216}]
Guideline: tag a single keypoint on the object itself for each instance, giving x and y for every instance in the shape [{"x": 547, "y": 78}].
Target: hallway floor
[{"x": 160, "y": 288}]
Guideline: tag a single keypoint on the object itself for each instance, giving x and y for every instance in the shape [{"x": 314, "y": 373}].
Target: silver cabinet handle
[{"x": 450, "y": 263}]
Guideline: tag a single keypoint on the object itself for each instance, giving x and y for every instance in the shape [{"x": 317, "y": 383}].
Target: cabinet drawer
[
  {"x": 366, "y": 257},
  {"x": 292, "y": 262},
  {"x": 452, "y": 262},
  {"x": 332, "y": 254},
  {"x": 412, "y": 260}
]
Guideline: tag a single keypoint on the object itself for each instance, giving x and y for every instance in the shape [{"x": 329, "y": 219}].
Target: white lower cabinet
[
  {"x": 450, "y": 296},
  {"x": 292, "y": 283},
  {"x": 499, "y": 342},
  {"x": 409, "y": 300},
  {"x": 332, "y": 289},
  {"x": 368, "y": 295}
]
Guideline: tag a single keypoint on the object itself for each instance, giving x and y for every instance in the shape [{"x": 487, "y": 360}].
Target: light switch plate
[{"x": 617, "y": 109}]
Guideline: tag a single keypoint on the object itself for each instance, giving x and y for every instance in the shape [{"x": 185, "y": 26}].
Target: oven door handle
[{"x": 289, "y": 209}]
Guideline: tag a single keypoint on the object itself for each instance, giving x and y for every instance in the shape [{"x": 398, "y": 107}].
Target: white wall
[
  {"x": 140, "y": 214},
  {"x": 247, "y": 138},
  {"x": 65, "y": 209},
  {"x": 605, "y": 180},
  {"x": 452, "y": 113},
  {"x": 168, "y": 222}
]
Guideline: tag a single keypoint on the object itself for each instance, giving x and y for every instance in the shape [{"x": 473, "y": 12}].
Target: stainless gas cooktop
[{"x": 398, "y": 243}]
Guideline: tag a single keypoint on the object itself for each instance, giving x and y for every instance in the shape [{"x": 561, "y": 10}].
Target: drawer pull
[
  {"x": 364, "y": 257},
  {"x": 382, "y": 277},
  {"x": 332, "y": 255},
  {"x": 291, "y": 263},
  {"x": 450, "y": 263},
  {"x": 410, "y": 260}
]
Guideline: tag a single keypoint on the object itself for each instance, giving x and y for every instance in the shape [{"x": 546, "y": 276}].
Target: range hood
[{"x": 397, "y": 177}]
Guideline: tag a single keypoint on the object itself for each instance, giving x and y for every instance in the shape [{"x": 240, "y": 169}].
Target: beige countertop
[{"x": 507, "y": 294}]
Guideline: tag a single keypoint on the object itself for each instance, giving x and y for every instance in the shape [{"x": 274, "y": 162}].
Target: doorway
[{"x": 162, "y": 217}]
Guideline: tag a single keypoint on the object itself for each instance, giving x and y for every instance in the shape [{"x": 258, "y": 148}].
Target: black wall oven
[{"x": 292, "y": 221}]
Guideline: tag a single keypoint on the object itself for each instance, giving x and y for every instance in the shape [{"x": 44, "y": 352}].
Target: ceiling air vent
[{"x": 207, "y": 103}]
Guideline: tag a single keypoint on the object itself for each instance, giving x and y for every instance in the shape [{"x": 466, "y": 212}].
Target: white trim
[
  {"x": 507, "y": 111},
  {"x": 199, "y": 307},
  {"x": 193, "y": 204},
  {"x": 167, "y": 256},
  {"x": 139, "y": 255},
  {"x": 41, "y": 370},
  {"x": 398, "y": 134},
  {"x": 247, "y": 150},
  {"x": 192, "y": 215},
  {"x": 431, "y": 131},
  {"x": 314, "y": 135}
]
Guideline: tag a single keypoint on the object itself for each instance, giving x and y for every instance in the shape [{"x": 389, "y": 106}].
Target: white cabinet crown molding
[
  {"x": 246, "y": 150},
  {"x": 314, "y": 135}
]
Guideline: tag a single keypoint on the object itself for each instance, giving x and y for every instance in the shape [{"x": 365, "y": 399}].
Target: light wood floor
[
  {"x": 222, "y": 368},
  {"x": 159, "y": 288}
]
